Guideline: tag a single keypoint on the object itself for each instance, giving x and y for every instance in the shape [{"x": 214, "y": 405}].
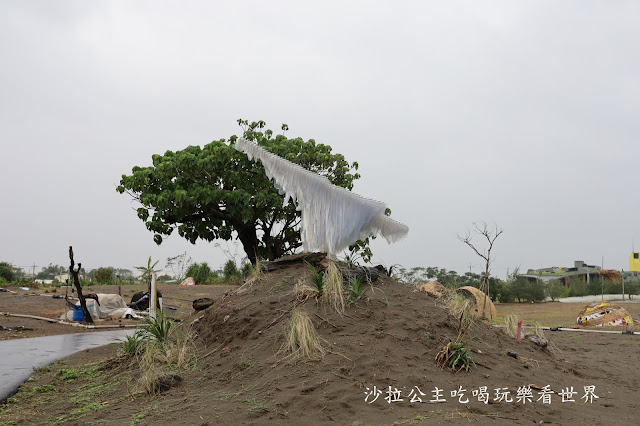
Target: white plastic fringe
[{"x": 333, "y": 218}]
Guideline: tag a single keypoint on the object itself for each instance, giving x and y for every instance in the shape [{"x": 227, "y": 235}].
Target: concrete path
[{"x": 19, "y": 357}]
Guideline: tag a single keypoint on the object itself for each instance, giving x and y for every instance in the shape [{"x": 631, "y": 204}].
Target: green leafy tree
[
  {"x": 165, "y": 278},
  {"x": 200, "y": 272},
  {"x": 555, "y": 289},
  {"x": 6, "y": 272},
  {"x": 123, "y": 273},
  {"x": 147, "y": 271},
  {"x": 215, "y": 192},
  {"x": 103, "y": 275},
  {"x": 230, "y": 270},
  {"x": 49, "y": 272}
]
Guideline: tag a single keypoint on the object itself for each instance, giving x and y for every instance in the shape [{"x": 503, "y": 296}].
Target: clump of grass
[
  {"x": 460, "y": 308},
  {"x": 317, "y": 278},
  {"x": 150, "y": 366},
  {"x": 156, "y": 347},
  {"x": 303, "y": 290},
  {"x": 44, "y": 368},
  {"x": 182, "y": 351},
  {"x": 332, "y": 288},
  {"x": 538, "y": 331},
  {"x": 68, "y": 374},
  {"x": 301, "y": 338},
  {"x": 455, "y": 356},
  {"x": 133, "y": 344},
  {"x": 311, "y": 286},
  {"x": 356, "y": 290},
  {"x": 256, "y": 274},
  {"x": 159, "y": 328},
  {"x": 511, "y": 325},
  {"x": 44, "y": 388}
]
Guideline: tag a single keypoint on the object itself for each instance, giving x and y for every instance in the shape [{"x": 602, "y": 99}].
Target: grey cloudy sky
[{"x": 522, "y": 114}]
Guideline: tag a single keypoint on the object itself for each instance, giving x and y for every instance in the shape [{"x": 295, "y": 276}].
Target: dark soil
[
  {"x": 386, "y": 341},
  {"x": 40, "y": 302}
]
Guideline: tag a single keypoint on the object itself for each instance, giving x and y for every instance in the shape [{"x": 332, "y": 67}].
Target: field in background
[{"x": 552, "y": 314}]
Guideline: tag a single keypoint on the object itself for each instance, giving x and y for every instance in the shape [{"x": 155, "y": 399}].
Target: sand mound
[{"x": 387, "y": 340}]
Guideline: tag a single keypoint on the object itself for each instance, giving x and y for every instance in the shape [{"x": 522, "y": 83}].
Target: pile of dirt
[
  {"x": 378, "y": 368},
  {"x": 387, "y": 341}
]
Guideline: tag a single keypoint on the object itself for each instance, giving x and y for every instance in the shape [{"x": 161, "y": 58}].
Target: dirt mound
[{"x": 386, "y": 341}]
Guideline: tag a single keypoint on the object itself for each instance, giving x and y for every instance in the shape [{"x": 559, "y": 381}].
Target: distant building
[
  {"x": 634, "y": 263},
  {"x": 61, "y": 278},
  {"x": 580, "y": 270}
]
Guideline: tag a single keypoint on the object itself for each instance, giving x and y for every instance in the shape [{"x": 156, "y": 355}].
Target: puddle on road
[{"x": 18, "y": 357}]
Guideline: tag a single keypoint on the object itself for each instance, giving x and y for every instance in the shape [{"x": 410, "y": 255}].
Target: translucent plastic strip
[{"x": 333, "y": 218}]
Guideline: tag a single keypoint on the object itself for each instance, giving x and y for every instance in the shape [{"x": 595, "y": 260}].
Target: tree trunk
[
  {"x": 76, "y": 282},
  {"x": 249, "y": 239}
]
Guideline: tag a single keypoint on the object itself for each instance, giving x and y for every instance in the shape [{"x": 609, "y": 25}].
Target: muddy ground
[
  {"x": 40, "y": 302},
  {"x": 386, "y": 341}
]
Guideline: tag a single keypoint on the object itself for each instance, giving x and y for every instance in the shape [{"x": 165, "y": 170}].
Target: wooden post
[
  {"x": 76, "y": 282},
  {"x": 153, "y": 297},
  {"x": 119, "y": 289}
]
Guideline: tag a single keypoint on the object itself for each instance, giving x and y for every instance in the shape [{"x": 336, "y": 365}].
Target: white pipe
[
  {"x": 577, "y": 329},
  {"x": 74, "y": 324},
  {"x": 153, "y": 297}
]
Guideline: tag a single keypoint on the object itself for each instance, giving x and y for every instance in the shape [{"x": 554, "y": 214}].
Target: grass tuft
[
  {"x": 333, "y": 292},
  {"x": 461, "y": 308},
  {"x": 511, "y": 325},
  {"x": 455, "y": 357},
  {"x": 301, "y": 338}
]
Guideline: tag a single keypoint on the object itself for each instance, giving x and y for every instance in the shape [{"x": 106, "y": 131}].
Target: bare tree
[
  {"x": 178, "y": 265},
  {"x": 76, "y": 282},
  {"x": 491, "y": 236}
]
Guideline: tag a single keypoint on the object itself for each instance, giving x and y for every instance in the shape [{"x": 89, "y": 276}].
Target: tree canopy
[{"x": 215, "y": 192}]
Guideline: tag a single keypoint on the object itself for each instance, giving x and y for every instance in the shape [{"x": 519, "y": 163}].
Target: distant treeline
[
  {"x": 106, "y": 275},
  {"x": 515, "y": 288}
]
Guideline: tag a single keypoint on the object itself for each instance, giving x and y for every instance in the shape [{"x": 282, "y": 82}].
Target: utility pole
[{"x": 602, "y": 278}]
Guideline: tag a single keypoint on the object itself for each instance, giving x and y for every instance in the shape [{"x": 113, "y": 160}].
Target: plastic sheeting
[
  {"x": 111, "y": 305},
  {"x": 333, "y": 218},
  {"x": 604, "y": 314}
]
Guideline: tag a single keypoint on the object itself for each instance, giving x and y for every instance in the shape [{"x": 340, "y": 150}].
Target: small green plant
[
  {"x": 133, "y": 344},
  {"x": 93, "y": 406},
  {"x": 455, "y": 356},
  {"x": 316, "y": 278},
  {"x": 278, "y": 286},
  {"x": 43, "y": 369},
  {"x": 159, "y": 328},
  {"x": 356, "y": 290},
  {"x": 256, "y": 406},
  {"x": 44, "y": 388},
  {"x": 68, "y": 374}
]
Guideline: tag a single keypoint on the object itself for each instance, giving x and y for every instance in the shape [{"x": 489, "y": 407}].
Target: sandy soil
[{"x": 386, "y": 341}]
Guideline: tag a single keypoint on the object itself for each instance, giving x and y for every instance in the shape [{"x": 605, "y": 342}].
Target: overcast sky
[{"x": 520, "y": 114}]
